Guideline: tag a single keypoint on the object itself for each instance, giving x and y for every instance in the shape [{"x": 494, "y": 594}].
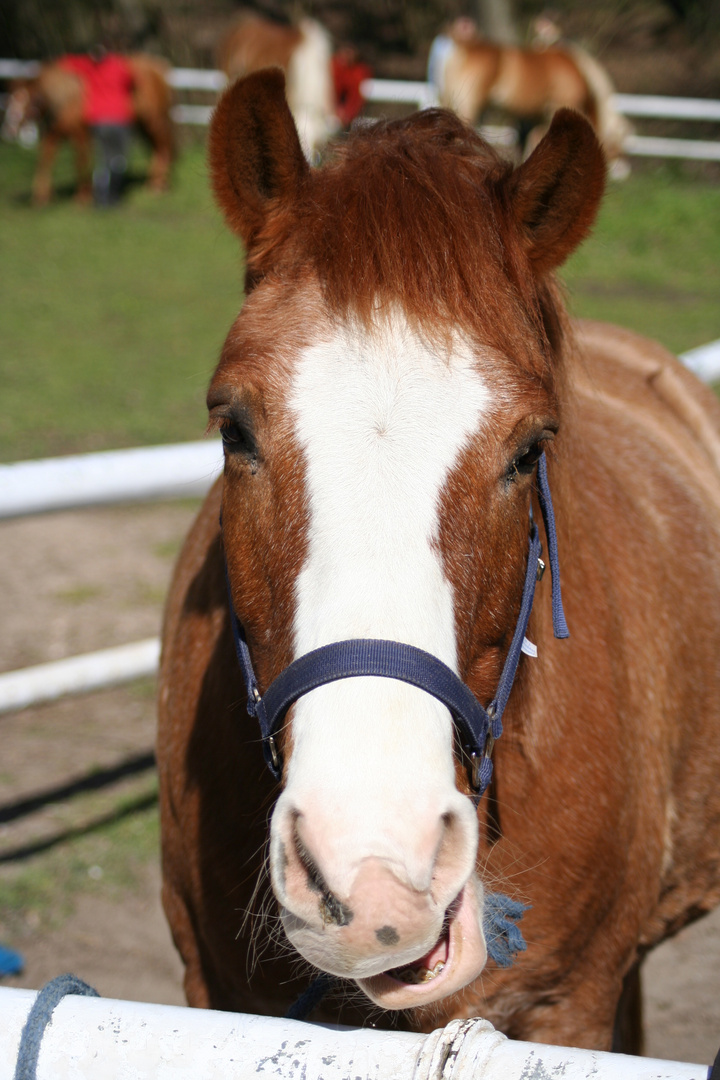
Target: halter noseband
[{"x": 477, "y": 727}]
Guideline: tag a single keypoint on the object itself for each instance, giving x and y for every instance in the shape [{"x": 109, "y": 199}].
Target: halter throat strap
[{"x": 477, "y": 727}]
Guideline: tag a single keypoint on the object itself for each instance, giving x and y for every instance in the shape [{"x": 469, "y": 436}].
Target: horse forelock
[{"x": 409, "y": 215}]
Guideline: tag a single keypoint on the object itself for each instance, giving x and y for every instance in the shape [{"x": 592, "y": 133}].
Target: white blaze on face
[{"x": 382, "y": 420}]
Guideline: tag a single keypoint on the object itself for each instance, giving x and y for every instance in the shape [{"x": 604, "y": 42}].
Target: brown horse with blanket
[{"x": 55, "y": 99}]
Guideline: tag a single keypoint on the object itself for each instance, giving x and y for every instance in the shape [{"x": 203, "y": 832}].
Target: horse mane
[{"x": 411, "y": 214}]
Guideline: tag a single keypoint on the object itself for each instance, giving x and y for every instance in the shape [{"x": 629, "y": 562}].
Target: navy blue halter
[{"x": 478, "y": 728}]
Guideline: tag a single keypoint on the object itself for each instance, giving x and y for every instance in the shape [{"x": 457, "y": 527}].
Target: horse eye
[
  {"x": 238, "y": 440},
  {"x": 525, "y": 463}
]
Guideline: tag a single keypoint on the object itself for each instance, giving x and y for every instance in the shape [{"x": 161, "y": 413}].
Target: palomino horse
[
  {"x": 304, "y": 52},
  {"x": 531, "y": 84},
  {"x": 400, "y": 386},
  {"x": 55, "y": 100}
]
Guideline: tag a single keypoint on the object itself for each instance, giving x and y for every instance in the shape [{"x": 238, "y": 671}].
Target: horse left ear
[
  {"x": 556, "y": 193},
  {"x": 256, "y": 161}
]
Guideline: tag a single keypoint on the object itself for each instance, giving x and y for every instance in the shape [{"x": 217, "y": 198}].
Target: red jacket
[
  {"x": 108, "y": 88},
  {"x": 347, "y": 78}
]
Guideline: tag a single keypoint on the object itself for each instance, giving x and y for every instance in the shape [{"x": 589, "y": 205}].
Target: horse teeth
[{"x": 421, "y": 974}]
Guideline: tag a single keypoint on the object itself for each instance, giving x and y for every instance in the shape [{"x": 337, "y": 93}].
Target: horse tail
[
  {"x": 309, "y": 87},
  {"x": 611, "y": 126}
]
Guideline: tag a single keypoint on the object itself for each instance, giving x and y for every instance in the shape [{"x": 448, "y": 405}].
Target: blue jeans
[{"x": 112, "y": 143}]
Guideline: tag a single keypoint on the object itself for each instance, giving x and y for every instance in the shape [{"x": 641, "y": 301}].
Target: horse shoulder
[
  {"x": 638, "y": 361},
  {"x": 656, "y": 432}
]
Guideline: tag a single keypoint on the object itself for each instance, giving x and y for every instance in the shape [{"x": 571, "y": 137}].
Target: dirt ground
[{"x": 75, "y": 582}]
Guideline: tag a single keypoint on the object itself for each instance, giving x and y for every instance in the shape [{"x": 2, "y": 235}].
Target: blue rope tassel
[{"x": 503, "y": 937}]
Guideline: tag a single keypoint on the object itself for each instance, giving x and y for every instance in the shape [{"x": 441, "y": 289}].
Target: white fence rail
[
  {"x": 78, "y": 674},
  {"x": 197, "y": 79},
  {"x": 182, "y": 470},
  {"x": 423, "y": 95},
  {"x": 100, "y": 1037},
  {"x": 657, "y": 146},
  {"x": 19, "y": 69}
]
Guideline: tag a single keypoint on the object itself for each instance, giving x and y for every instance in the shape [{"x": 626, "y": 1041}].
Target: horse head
[{"x": 383, "y": 398}]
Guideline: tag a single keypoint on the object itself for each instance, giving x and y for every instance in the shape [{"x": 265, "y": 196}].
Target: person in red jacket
[
  {"x": 348, "y": 74},
  {"x": 109, "y": 112}
]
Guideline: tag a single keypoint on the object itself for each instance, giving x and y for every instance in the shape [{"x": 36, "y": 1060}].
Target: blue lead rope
[{"x": 559, "y": 625}]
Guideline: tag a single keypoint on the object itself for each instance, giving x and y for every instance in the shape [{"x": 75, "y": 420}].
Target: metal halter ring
[
  {"x": 274, "y": 753},
  {"x": 476, "y": 760}
]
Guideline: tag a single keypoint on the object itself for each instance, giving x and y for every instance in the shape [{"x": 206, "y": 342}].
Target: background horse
[
  {"x": 531, "y": 84},
  {"x": 304, "y": 52},
  {"x": 55, "y": 100},
  {"x": 400, "y": 365}
]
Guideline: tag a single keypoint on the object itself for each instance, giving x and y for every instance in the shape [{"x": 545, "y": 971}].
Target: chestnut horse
[
  {"x": 531, "y": 84},
  {"x": 400, "y": 384},
  {"x": 55, "y": 100},
  {"x": 304, "y": 52}
]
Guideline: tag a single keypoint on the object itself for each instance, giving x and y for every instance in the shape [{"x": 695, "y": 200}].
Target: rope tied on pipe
[{"x": 40, "y": 1016}]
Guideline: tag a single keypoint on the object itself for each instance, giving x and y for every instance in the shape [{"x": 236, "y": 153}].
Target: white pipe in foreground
[
  {"x": 179, "y": 470},
  {"x": 78, "y": 674},
  {"x": 99, "y": 1039}
]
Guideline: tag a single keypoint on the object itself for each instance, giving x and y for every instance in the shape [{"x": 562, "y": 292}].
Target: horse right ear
[
  {"x": 256, "y": 161},
  {"x": 556, "y": 193}
]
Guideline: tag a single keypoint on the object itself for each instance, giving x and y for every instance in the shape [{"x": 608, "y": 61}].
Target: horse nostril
[{"x": 332, "y": 910}]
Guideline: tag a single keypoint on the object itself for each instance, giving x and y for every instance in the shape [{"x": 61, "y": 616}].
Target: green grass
[
  {"x": 653, "y": 261},
  {"x": 39, "y": 893},
  {"x": 112, "y": 321}
]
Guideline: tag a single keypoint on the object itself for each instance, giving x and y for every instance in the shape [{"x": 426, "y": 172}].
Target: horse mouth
[
  {"x": 427, "y": 967},
  {"x": 456, "y": 959}
]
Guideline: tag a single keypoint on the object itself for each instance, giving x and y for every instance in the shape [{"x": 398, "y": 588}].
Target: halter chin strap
[{"x": 478, "y": 727}]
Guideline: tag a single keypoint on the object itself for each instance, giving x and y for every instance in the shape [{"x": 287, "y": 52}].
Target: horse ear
[
  {"x": 556, "y": 193},
  {"x": 256, "y": 161}
]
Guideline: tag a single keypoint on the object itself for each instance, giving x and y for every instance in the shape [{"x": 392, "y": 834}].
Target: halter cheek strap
[{"x": 478, "y": 727}]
